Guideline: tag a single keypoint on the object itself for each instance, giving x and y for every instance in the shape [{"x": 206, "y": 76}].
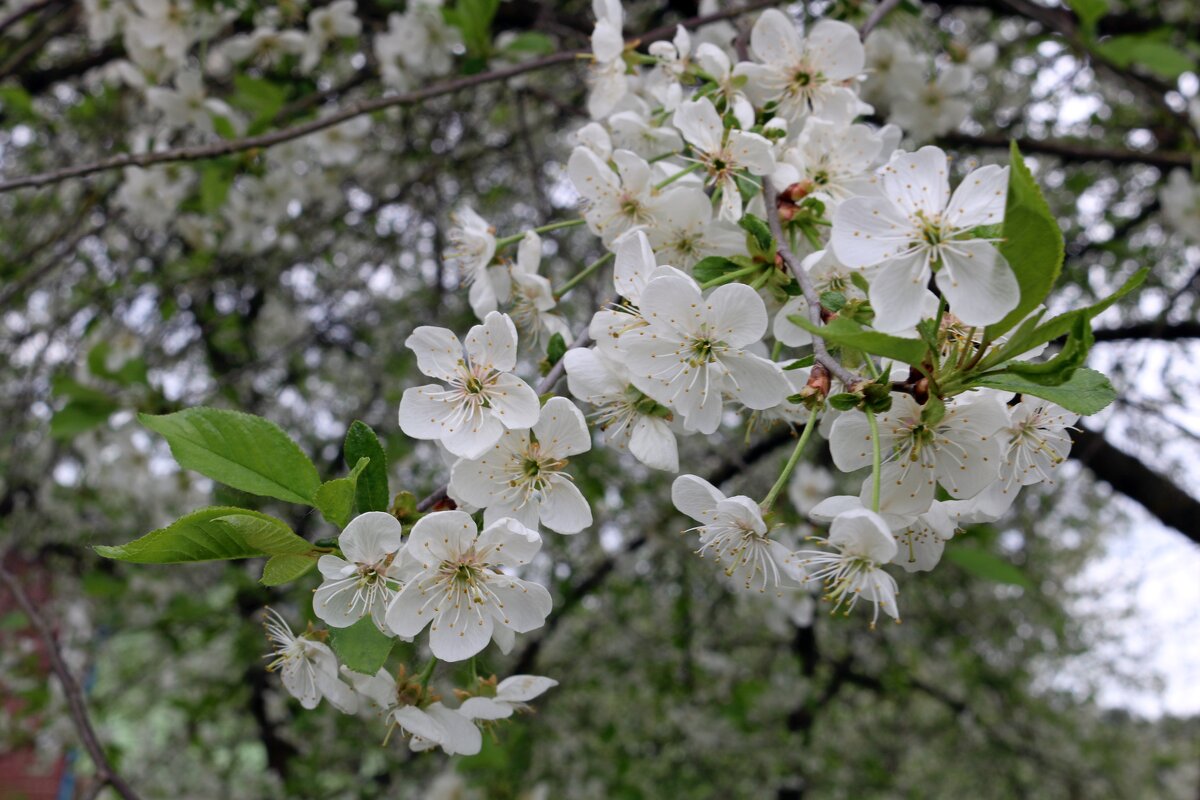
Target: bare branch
[
  {"x": 71, "y": 689},
  {"x": 1073, "y": 151},
  {"x": 267, "y": 140},
  {"x": 877, "y": 16}
]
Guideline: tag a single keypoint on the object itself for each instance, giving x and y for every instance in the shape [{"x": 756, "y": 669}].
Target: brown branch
[
  {"x": 267, "y": 140},
  {"x": 820, "y": 351},
  {"x": 1160, "y": 331},
  {"x": 71, "y": 689},
  {"x": 21, "y": 13},
  {"x": 877, "y": 16},
  {"x": 1073, "y": 151},
  {"x": 1126, "y": 474}
]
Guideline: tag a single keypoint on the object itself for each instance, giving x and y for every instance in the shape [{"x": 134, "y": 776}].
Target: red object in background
[{"x": 22, "y": 776}]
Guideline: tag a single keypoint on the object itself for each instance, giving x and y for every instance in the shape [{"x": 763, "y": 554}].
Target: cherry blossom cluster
[
  {"x": 743, "y": 201},
  {"x": 672, "y": 175}
]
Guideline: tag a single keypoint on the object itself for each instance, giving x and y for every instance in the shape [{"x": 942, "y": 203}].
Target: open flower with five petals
[
  {"x": 458, "y": 585},
  {"x": 483, "y": 397},
  {"x": 362, "y": 583},
  {"x": 524, "y": 474}
]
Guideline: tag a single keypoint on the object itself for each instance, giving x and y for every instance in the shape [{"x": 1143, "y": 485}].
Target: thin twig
[
  {"x": 877, "y": 16},
  {"x": 820, "y": 351},
  {"x": 267, "y": 140},
  {"x": 74, "y": 694},
  {"x": 21, "y": 13}
]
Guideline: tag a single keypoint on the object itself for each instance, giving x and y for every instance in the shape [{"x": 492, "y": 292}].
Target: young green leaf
[
  {"x": 1085, "y": 392},
  {"x": 335, "y": 499},
  {"x": 847, "y": 333},
  {"x": 239, "y": 450},
  {"x": 987, "y": 565},
  {"x": 371, "y": 492},
  {"x": 1032, "y": 242},
  {"x": 361, "y": 647},
  {"x": 286, "y": 568},
  {"x": 210, "y": 534}
]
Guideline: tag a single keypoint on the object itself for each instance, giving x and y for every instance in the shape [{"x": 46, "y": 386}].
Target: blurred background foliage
[{"x": 671, "y": 685}]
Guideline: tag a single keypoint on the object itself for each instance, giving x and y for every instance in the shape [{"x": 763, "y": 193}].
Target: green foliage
[
  {"x": 984, "y": 564},
  {"x": 239, "y": 450},
  {"x": 848, "y": 333},
  {"x": 530, "y": 43},
  {"x": 286, "y": 567},
  {"x": 210, "y": 534},
  {"x": 1089, "y": 11},
  {"x": 371, "y": 490},
  {"x": 761, "y": 241},
  {"x": 1032, "y": 245},
  {"x": 259, "y": 98},
  {"x": 335, "y": 499},
  {"x": 1149, "y": 50},
  {"x": 709, "y": 269},
  {"x": 361, "y": 647},
  {"x": 1085, "y": 392},
  {"x": 474, "y": 18},
  {"x": 556, "y": 348},
  {"x": 85, "y": 408}
]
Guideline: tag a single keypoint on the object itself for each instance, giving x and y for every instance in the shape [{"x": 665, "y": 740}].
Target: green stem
[
  {"x": 876, "y": 461},
  {"x": 690, "y": 168},
  {"x": 730, "y": 277},
  {"x": 426, "y": 674},
  {"x": 809, "y": 426},
  {"x": 553, "y": 226},
  {"x": 583, "y": 275}
]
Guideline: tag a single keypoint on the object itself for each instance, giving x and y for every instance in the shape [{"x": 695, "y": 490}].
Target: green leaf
[
  {"x": 834, "y": 301},
  {"x": 1026, "y": 339},
  {"x": 371, "y": 492},
  {"x": 78, "y": 416},
  {"x": 556, "y": 348},
  {"x": 335, "y": 499},
  {"x": 711, "y": 268},
  {"x": 987, "y": 565},
  {"x": 532, "y": 43},
  {"x": 266, "y": 534},
  {"x": 760, "y": 231},
  {"x": 1089, "y": 11},
  {"x": 1059, "y": 368},
  {"x": 1149, "y": 50},
  {"x": 239, "y": 450},
  {"x": 215, "y": 180},
  {"x": 361, "y": 647},
  {"x": 847, "y": 333},
  {"x": 474, "y": 19},
  {"x": 258, "y": 97},
  {"x": 1032, "y": 242},
  {"x": 286, "y": 568},
  {"x": 210, "y": 534},
  {"x": 1085, "y": 392}
]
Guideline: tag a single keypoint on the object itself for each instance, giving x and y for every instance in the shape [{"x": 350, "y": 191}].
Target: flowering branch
[
  {"x": 105, "y": 774},
  {"x": 790, "y": 261},
  {"x": 267, "y": 140}
]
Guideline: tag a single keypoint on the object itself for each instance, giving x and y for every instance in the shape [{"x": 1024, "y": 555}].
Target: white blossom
[
  {"x": 360, "y": 584},
  {"x": 733, "y": 532},
  {"x": 512, "y": 696},
  {"x": 724, "y": 153},
  {"x": 307, "y": 667},
  {"x": 483, "y": 397},
  {"x": 524, "y": 474},
  {"x": 459, "y": 588},
  {"x": 916, "y": 227},
  {"x": 853, "y": 571}
]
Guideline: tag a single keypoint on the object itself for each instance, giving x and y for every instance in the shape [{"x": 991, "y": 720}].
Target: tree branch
[
  {"x": 1161, "y": 331},
  {"x": 820, "y": 351},
  {"x": 71, "y": 689},
  {"x": 267, "y": 140},
  {"x": 1128, "y": 475},
  {"x": 1073, "y": 151}
]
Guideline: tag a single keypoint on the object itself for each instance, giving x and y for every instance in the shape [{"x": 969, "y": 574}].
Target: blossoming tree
[{"x": 787, "y": 245}]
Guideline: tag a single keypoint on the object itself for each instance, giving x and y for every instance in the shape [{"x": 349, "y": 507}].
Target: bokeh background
[{"x": 1059, "y": 659}]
